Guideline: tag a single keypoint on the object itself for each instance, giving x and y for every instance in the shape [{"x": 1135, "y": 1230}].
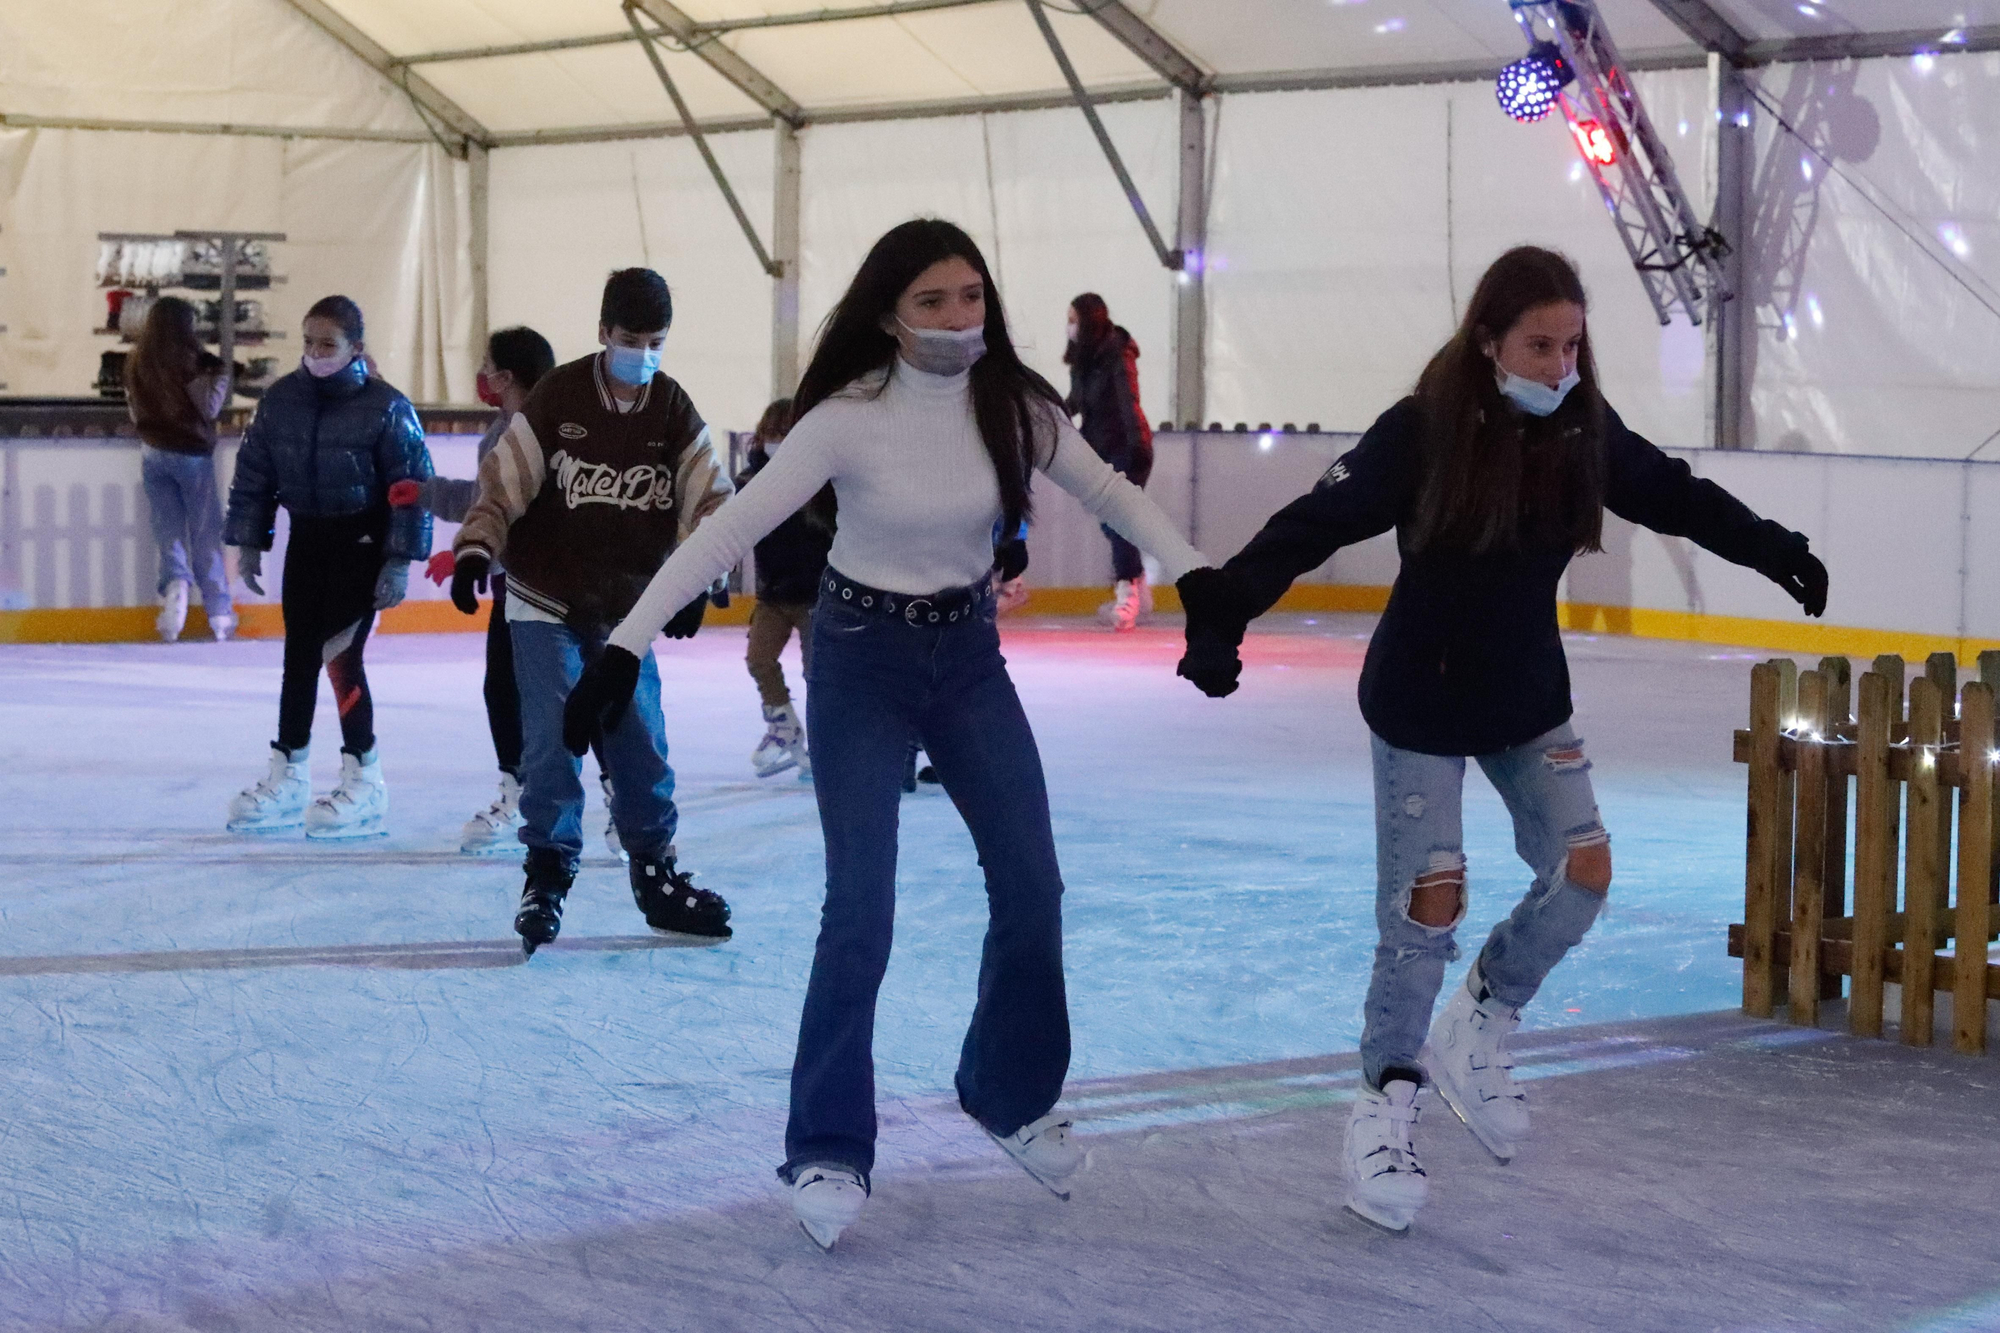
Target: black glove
[
  {"x": 468, "y": 574},
  {"x": 1793, "y": 567},
  {"x": 600, "y": 698},
  {"x": 1215, "y": 625},
  {"x": 1011, "y": 559},
  {"x": 688, "y": 619}
]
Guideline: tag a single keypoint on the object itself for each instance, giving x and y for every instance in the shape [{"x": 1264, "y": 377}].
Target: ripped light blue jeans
[{"x": 1419, "y": 831}]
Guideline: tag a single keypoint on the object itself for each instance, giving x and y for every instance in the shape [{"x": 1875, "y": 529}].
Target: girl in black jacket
[
  {"x": 1103, "y": 362},
  {"x": 790, "y": 560},
  {"x": 1494, "y": 474}
]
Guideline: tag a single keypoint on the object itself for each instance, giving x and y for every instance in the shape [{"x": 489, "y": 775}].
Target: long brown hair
[
  {"x": 1494, "y": 479},
  {"x": 852, "y": 345},
  {"x": 166, "y": 356}
]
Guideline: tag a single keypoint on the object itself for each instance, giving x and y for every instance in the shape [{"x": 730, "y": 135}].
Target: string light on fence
[{"x": 1527, "y": 89}]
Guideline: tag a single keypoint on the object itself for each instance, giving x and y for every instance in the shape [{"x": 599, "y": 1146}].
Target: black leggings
[{"x": 331, "y": 566}]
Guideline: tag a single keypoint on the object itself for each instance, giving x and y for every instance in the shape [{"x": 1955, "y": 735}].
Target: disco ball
[{"x": 1527, "y": 89}]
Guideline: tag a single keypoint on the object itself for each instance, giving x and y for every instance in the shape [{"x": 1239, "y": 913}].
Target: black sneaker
[
  {"x": 669, "y": 901},
  {"x": 540, "y": 917}
]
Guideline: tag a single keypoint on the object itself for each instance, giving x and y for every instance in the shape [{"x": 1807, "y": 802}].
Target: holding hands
[{"x": 1215, "y": 625}]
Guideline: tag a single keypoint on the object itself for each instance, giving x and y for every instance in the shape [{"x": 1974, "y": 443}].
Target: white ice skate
[
  {"x": 1467, "y": 1059},
  {"x": 1122, "y": 611},
  {"x": 222, "y": 625},
  {"x": 173, "y": 611},
  {"x": 611, "y": 838},
  {"x": 277, "y": 800},
  {"x": 1386, "y": 1184},
  {"x": 493, "y": 829},
  {"x": 1044, "y": 1151},
  {"x": 826, "y": 1199},
  {"x": 784, "y": 743},
  {"x": 356, "y": 808}
]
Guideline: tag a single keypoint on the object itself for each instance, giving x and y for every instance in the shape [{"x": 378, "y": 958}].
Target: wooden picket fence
[{"x": 1900, "y": 773}]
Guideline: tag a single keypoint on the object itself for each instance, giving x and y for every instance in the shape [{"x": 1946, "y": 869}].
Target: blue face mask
[
  {"x": 635, "y": 366},
  {"x": 1534, "y": 397}
]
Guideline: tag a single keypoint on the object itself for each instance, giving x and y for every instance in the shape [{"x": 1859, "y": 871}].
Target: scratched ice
[{"x": 238, "y": 1063}]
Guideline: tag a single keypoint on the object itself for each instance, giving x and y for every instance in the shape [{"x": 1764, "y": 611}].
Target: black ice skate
[
  {"x": 542, "y": 897},
  {"x": 669, "y": 900}
]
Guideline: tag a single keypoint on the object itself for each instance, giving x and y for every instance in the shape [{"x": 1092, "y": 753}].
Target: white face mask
[
  {"x": 943, "y": 351},
  {"x": 319, "y": 367},
  {"x": 635, "y": 366},
  {"x": 1534, "y": 397}
]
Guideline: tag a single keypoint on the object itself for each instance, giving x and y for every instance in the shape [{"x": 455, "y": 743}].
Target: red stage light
[{"x": 1594, "y": 142}]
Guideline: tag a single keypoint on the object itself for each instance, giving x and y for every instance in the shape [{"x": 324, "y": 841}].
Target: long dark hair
[
  {"x": 1492, "y": 478},
  {"x": 166, "y": 356},
  {"x": 852, "y": 345},
  {"x": 1093, "y": 326}
]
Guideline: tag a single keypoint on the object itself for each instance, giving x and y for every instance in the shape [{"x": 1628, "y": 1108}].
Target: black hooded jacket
[
  {"x": 1104, "y": 388},
  {"x": 793, "y": 556}
]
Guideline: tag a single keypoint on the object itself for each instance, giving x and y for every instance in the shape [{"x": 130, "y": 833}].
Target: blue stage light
[{"x": 1527, "y": 88}]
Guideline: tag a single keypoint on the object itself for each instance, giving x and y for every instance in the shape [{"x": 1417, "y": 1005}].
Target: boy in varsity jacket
[{"x": 593, "y": 484}]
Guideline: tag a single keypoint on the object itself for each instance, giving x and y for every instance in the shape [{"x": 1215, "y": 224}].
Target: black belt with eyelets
[{"x": 952, "y": 606}]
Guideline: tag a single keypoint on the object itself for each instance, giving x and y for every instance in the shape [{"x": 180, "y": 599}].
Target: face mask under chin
[
  {"x": 1534, "y": 397},
  {"x": 943, "y": 351}
]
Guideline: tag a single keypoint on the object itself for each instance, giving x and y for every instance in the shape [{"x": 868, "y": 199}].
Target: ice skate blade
[
  {"x": 822, "y": 1236},
  {"x": 234, "y": 826},
  {"x": 1060, "y": 1191},
  {"x": 784, "y": 766},
  {"x": 1386, "y": 1223},
  {"x": 347, "y": 835},
  {"x": 1500, "y": 1150},
  {"x": 488, "y": 849},
  {"x": 725, "y": 934}
]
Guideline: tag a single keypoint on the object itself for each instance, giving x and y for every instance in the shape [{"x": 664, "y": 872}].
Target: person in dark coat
[
  {"x": 1494, "y": 474},
  {"x": 343, "y": 453},
  {"x": 789, "y": 563},
  {"x": 1103, "y": 362}
]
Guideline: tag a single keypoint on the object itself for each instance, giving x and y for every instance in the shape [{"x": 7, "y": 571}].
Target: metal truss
[{"x": 1678, "y": 258}]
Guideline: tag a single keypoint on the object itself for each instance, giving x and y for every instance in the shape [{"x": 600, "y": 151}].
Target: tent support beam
[
  {"x": 694, "y": 132},
  {"x": 1145, "y": 42},
  {"x": 1191, "y": 238},
  {"x": 1730, "y": 326},
  {"x": 709, "y": 48},
  {"x": 1706, "y": 28},
  {"x": 480, "y": 199},
  {"x": 1168, "y": 258},
  {"x": 371, "y": 53},
  {"x": 785, "y": 212}
]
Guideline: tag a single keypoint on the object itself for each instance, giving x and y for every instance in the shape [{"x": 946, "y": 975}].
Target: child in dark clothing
[{"x": 789, "y": 563}]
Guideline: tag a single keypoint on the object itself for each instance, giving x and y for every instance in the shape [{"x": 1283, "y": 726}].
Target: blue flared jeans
[
  {"x": 879, "y": 684},
  {"x": 1419, "y": 830}
]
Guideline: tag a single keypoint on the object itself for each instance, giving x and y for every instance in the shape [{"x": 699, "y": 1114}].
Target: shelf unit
[{"x": 230, "y": 278}]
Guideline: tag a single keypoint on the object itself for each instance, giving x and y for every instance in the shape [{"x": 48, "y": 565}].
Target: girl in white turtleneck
[{"x": 920, "y": 416}]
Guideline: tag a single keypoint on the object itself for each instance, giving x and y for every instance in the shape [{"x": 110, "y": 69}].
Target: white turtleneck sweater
[{"x": 918, "y": 498}]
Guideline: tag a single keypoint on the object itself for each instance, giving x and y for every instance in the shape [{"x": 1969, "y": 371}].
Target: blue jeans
[
  {"x": 187, "y": 523},
  {"x": 878, "y": 684},
  {"x": 548, "y": 659},
  {"x": 1419, "y": 831}
]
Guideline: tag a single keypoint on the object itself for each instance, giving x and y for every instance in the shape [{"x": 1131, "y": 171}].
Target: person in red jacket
[{"x": 1103, "y": 362}]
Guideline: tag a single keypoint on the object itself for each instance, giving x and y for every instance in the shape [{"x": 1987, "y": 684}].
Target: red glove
[
  {"x": 440, "y": 568},
  {"x": 405, "y": 493}
]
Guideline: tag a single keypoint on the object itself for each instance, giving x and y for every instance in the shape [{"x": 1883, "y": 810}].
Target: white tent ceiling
[{"x": 519, "y": 71}]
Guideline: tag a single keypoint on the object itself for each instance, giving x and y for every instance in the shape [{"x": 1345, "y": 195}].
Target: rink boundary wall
[{"x": 134, "y": 624}]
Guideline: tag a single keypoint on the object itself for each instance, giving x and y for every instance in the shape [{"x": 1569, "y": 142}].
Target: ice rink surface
[{"x": 261, "y": 1083}]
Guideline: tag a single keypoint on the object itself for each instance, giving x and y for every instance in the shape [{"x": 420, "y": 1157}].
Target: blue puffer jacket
[{"x": 328, "y": 448}]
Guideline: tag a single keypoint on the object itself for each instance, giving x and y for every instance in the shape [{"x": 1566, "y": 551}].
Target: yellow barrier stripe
[{"x": 134, "y": 624}]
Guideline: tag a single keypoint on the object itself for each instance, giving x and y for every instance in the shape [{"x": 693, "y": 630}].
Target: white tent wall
[
  {"x": 563, "y": 217},
  {"x": 1350, "y": 226},
  {"x": 1878, "y": 289},
  {"x": 384, "y": 223}
]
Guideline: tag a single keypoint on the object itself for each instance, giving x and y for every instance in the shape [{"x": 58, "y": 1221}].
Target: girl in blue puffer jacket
[{"x": 345, "y": 455}]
